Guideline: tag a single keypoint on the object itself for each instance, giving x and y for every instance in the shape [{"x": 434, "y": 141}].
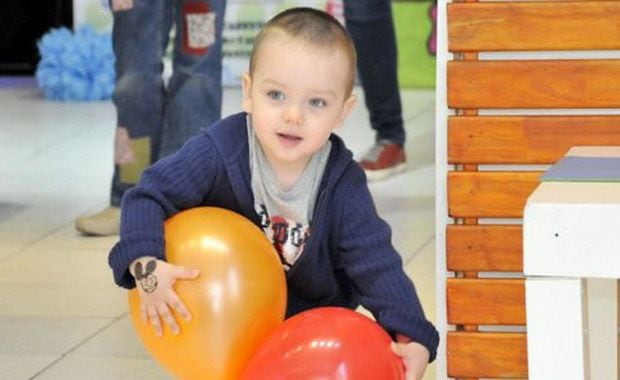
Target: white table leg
[
  {"x": 602, "y": 301},
  {"x": 555, "y": 316}
]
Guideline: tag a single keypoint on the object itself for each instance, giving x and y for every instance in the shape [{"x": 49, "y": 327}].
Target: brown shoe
[
  {"x": 106, "y": 222},
  {"x": 383, "y": 160}
]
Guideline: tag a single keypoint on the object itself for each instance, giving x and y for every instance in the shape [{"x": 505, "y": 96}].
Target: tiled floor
[{"x": 61, "y": 316}]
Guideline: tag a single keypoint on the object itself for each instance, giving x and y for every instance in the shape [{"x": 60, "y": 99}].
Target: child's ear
[
  {"x": 247, "y": 89},
  {"x": 347, "y": 107}
]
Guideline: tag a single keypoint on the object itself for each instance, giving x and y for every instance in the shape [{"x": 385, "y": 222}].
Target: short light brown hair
[{"x": 314, "y": 27}]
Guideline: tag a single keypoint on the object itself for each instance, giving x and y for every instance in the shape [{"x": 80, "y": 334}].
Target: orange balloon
[{"x": 238, "y": 299}]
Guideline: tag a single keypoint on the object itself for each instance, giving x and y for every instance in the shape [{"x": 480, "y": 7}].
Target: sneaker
[
  {"x": 383, "y": 160},
  {"x": 104, "y": 223}
]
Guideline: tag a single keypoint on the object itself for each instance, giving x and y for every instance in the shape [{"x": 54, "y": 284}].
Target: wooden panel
[
  {"x": 484, "y": 248},
  {"x": 486, "y": 301},
  {"x": 489, "y": 194},
  {"x": 534, "y": 84},
  {"x": 533, "y": 26},
  {"x": 525, "y": 139},
  {"x": 473, "y": 354}
]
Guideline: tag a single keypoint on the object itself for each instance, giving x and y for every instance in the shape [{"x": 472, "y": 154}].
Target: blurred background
[{"x": 61, "y": 316}]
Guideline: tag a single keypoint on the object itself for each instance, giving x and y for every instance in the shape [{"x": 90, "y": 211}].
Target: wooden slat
[
  {"x": 534, "y": 84},
  {"x": 484, "y": 248},
  {"x": 489, "y": 194},
  {"x": 565, "y": 1},
  {"x": 479, "y": 354},
  {"x": 526, "y": 139},
  {"x": 533, "y": 26},
  {"x": 486, "y": 301}
]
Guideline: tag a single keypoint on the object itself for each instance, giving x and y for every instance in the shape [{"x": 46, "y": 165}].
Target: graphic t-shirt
[{"x": 286, "y": 215}]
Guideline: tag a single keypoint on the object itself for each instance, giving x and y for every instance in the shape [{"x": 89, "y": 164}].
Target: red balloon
[{"x": 328, "y": 343}]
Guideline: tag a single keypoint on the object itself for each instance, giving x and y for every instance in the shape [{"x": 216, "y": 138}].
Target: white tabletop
[
  {"x": 594, "y": 151},
  {"x": 573, "y": 228}
]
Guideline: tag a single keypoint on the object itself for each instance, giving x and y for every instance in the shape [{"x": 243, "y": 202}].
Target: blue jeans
[
  {"x": 371, "y": 26},
  {"x": 165, "y": 116}
]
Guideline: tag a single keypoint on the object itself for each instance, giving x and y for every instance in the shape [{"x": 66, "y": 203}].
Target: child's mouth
[{"x": 288, "y": 140}]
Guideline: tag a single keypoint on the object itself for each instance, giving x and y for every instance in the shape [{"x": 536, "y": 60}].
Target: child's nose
[{"x": 294, "y": 114}]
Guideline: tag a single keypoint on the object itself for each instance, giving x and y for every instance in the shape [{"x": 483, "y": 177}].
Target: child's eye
[
  {"x": 318, "y": 102},
  {"x": 276, "y": 95}
]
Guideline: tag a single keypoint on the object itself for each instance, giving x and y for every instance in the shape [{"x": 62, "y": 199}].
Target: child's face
[{"x": 296, "y": 97}]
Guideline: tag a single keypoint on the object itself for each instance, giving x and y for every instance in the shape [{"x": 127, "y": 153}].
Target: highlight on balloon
[{"x": 237, "y": 330}]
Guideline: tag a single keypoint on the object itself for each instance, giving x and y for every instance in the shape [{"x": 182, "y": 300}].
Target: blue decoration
[{"x": 76, "y": 66}]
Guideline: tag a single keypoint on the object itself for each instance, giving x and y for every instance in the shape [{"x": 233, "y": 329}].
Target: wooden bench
[{"x": 510, "y": 115}]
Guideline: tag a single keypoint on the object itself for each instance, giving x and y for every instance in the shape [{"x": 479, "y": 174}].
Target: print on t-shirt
[{"x": 288, "y": 237}]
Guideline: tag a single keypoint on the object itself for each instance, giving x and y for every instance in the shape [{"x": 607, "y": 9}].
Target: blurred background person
[{"x": 153, "y": 118}]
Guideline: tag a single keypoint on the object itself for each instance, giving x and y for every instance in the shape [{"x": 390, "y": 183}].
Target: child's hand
[
  {"x": 414, "y": 355},
  {"x": 154, "y": 280}
]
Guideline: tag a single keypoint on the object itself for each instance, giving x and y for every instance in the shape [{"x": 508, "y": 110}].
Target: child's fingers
[
  {"x": 166, "y": 315},
  {"x": 400, "y": 349},
  {"x": 186, "y": 273},
  {"x": 175, "y": 303},
  {"x": 143, "y": 314},
  {"x": 397, "y": 348},
  {"x": 154, "y": 319}
]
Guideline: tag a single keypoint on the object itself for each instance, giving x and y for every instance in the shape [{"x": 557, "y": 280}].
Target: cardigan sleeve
[
  {"x": 175, "y": 183},
  {"x": 376, "y": 269}
]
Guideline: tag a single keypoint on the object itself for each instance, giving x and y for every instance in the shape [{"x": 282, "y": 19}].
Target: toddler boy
[{"x": 279, "y": 164}]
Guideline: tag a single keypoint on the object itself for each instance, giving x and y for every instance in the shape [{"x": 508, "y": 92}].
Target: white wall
[{"x": 441, "y": 167}]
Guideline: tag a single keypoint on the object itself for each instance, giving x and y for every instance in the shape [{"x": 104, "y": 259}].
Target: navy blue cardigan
[{"x": 348, "y": 260}]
